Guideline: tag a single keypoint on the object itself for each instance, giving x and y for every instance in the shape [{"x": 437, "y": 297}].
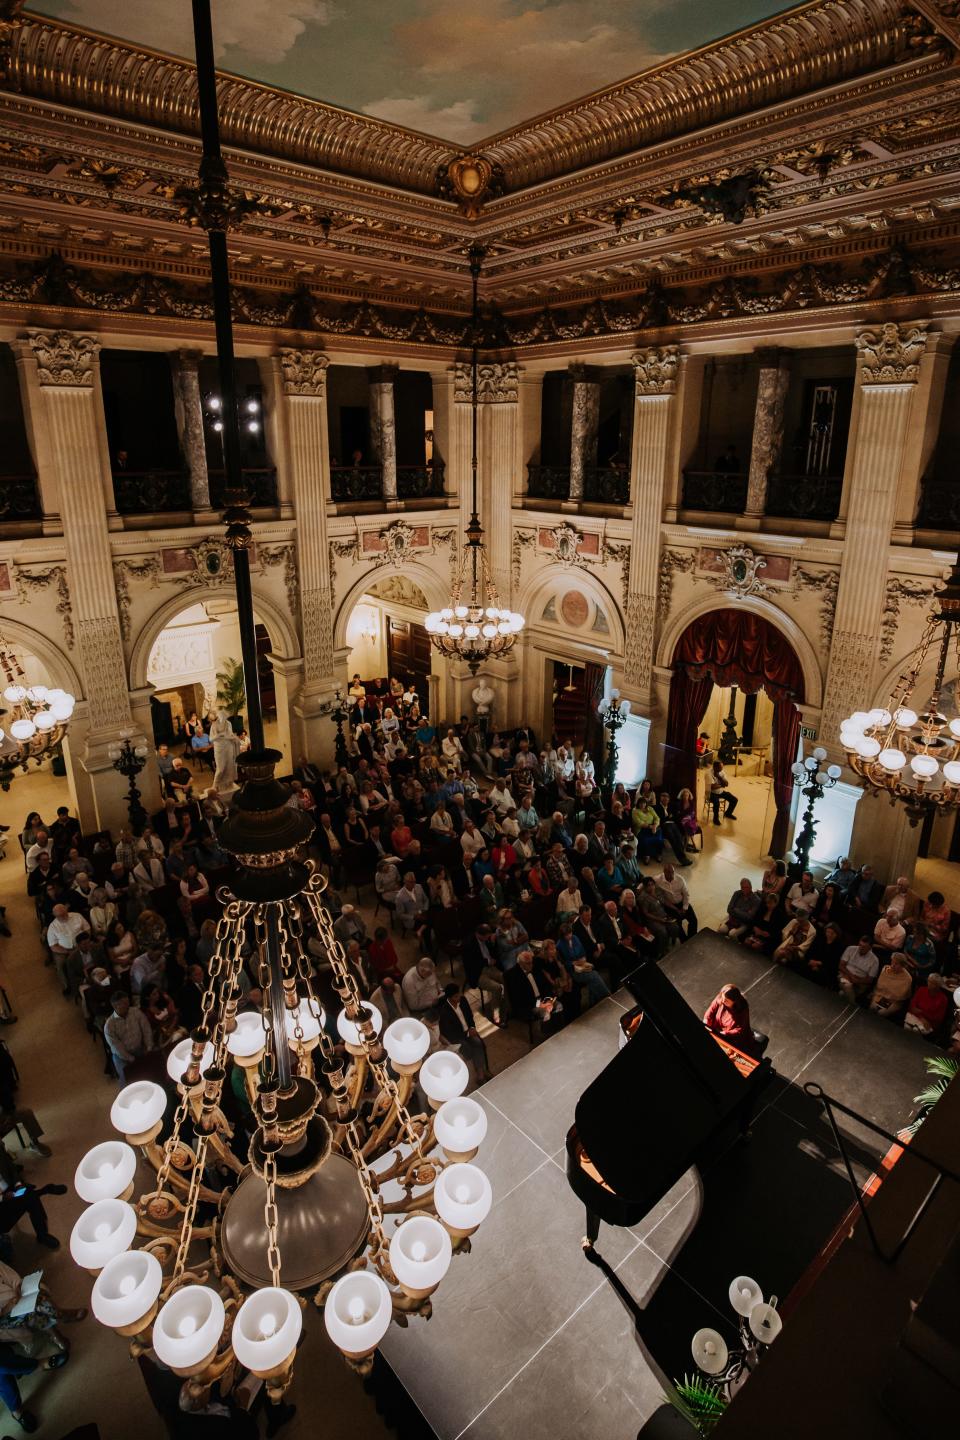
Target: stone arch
[
  {"x": 435, "y": 587},
  {"x": 805, "y": 653},
  {"x": 60, "y": 669},
  {"x": 283, "y": 636},
  {"x": 550, "y": 577}
]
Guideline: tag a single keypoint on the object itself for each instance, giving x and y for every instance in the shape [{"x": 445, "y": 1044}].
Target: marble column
[
  {"x": 304, "y": 399},
  {"x": 889, "y": 364},
  {"x": 655, "y": 405},
  {"x": 188, "y": 406},
  {"x": 584, "y": 426},
  {"x": 66, "y": 369},
  {"x": 772, "y": 385},
  {"x": 383, "y": 427},
  {"x": 499, "y": 388}
]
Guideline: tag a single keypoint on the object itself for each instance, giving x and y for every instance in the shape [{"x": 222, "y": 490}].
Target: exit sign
[{"x": 808, "y": 732}]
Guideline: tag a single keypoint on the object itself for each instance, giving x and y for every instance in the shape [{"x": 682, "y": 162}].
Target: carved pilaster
[
  {"x": 656, "y": 370},
  {"x": 497, "y": 383},
  {"x": 890, "y": 354},
  {"x": 64, "y": 358},
  {"x": 641, "y": 619},
  {"x": 304, "y": 372}
]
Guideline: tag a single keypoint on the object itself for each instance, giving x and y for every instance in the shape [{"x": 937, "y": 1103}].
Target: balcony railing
[
  {"x": 548, "y": 482},
  {"x": 151, "y": 492},
  {"x": 418, "y": 482},
  {"x": 356, "y": 482},
  {"x": 804, "y": 497},
  {"x": 19, "y": 498},
  {"x": 718, "y": 490},
  {"x": 607, "y": 485},
  {"x": 261, "y": 484},
  {"x": 939, "y": 504}
]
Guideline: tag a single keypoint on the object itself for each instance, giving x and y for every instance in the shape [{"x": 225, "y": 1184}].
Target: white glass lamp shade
[
  {"x": 821, "y": 754},
  {"x": 951, "y": 772},
  {"x": 138, "y": 1108},
  {"x": 357, "y": 1312},
  {"x": 113, "y": 752},
  {"x": 140, "y": 751},
  {"x": 810, "y": 764},
  {"x": 462, "y": 1197},
  {"x": 460, "y": 1125},
  {"x": 860, "y": 719},
  {"x": 765, "y": 1323},
  {"x": 955, "y": 729},
  {"x": 798, "y": 771},
  {"x": 406, "y": 1041},
  {"x": 308, "y": 1014},
  {"x": 924, "y": 767},
  {"x": 126, "y": 1289},
  {"x": 350, "y": 1032},
  {"x": 822, "y": 777},
  {"x": 866, "y": 747},
  {"x": 23, "y": 729},
  {"x": 45, "y": 721},
  {"x": 420, "y": 1253},
  {"x": 249, "y": 1038},
  {"x": 710, "y": 1351},
  {"x": 905, "y": 719},
  {"x": 180, "y": 1056},
  {"x": 188, "y": 1327},
  {"x": 834, "y": 772},
  {"x": 14, "y": 694},
  {"x": 744, "y": 1294},
  {"x": 105, "y": 1172},
  {"x": 443, "y": 1076},
  {"x": 892, "y": 760},
  {"x": 103, "y": 1231},
  {"x": 956, "y": 997},
  {"x": 62, "y": 709},
  {"x": 266, "y": 1329}
]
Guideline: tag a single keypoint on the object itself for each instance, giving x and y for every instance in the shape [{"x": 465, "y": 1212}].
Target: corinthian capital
[
  {"x": 890, "y": 354},
  {"x": 304, "y": 372},
  {"x": 656, "y": 370},
  {"x": 62, "y": 357},
  {"x": 497, "y": 384}
]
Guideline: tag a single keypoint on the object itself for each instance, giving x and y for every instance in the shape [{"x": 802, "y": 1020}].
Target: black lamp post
[
  {"x": 129, "y": 759},
  {"x": 730, "y": 740},
  {"x": 338, "y": 716},
  {"x": 612, "y": 717},
  {"x": 818, "y": 782}
]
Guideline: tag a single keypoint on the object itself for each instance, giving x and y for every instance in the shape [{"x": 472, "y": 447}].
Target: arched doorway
[
  {"x": 386, "y": 635},
  {"x": 730, "y": 648}
]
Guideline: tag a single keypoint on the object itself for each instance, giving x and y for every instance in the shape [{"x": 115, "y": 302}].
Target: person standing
[
  {"x": 127, "y": 1033},
  {"x": 458, "y": 1030}
]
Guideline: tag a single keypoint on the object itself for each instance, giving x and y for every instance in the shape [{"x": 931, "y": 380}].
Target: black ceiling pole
[{"x": 215, "y": 208}]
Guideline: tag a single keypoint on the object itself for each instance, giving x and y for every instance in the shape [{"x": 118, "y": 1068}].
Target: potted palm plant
[{"x": 231, "y": 694}]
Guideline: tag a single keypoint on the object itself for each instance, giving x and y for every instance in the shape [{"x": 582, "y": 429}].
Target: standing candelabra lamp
[
  {"x": 129, "y": 759},
  {"x": 613, "y": 717},
  {"x": 338, "y": 716},
  {"x": 724, "y": 1368},
  {"x": 815, "y": 781}
]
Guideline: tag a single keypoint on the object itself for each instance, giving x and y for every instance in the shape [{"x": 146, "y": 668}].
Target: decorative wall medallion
[
  {"x": 470, "y": 180},
  {"x": 740, "y": 572},
  {"x": 214, "y": 562},
  {"x": 574, "y": 609}
]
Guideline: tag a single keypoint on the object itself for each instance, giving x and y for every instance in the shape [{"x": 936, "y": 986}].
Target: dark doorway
[
  {"x": 569, "y": 703},
  {"x": 408, "y": 655}
]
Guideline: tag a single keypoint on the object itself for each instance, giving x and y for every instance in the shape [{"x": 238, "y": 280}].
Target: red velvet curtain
[
  {"x": 689, "y": 699},
  {"x": 786, "y": 740}
]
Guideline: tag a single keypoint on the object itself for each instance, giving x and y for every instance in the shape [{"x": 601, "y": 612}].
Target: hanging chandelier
[
  {"x": 347, "y": 1194},
  {"x": 912, "y": 757},
  {"x": 475, "y": 626},
  {"x": 35, "y": 723}
]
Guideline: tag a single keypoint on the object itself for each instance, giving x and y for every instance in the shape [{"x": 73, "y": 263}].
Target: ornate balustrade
[
  {"x": 19, "y": 498},
  {"x": 416, "y": 482},
  {"x": 939, "y": 504},
  {"x": 261, "y": 485},
  {"x": 804, "y": 497},
  {"x": 548, "y": 482},
  {"x": 715, "y": 490},
  {"x": 151, "y": 492},
  {"x": 606, "y": 485},
  {"x": 356, "y": 482}
]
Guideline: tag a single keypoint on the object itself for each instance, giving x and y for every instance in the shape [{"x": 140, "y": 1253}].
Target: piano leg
[{"x": 593, "y": 1228}]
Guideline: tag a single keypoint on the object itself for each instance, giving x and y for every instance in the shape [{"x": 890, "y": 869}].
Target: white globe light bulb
[{"x": 892, "y": 760}]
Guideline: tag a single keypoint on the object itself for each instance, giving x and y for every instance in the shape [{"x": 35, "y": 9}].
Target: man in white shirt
[
  {"x": 43, "y": 845},
  {"x": 889, "y": 933},
  {"x": 802, "y": 897},
  {"x": 859, "y": 968},
  {"x": 674, "y": 896},
  {"x": 412, "y": 905},
  {"x": 421, "y": 988},
  {"x": 149, "y": 873},
  {"x": 471, "y": 841},
  {"x": 452, "y": 748},
  {"x": 63, "y": 930},
  {"x": 569, "y": 901},
  {"x": 127, "y": 1033},
  {"x": 500, "y": 798}
]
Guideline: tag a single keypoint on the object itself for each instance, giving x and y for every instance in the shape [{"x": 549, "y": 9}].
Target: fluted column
[
  {"x": 889, "y": 358},
  {"x": 383, "y": 426},
  {"x": 66, "y": 370},
  {"x": 772, "y": 385},
  {"x": 585, "y": 422},
  {"x": 498, "y": 393},
  {"x": 188, "y": 405},
  {"x": 655, "y": 403},
  {"x": 304, "y": 392}
]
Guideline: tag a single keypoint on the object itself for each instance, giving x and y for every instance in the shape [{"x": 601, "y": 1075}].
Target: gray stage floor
[{"x": 524, "y": 1332}]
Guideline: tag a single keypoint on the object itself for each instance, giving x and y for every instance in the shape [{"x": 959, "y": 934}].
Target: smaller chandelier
[
  {"x": 475, "y": 626},
  {"x": 35, "y": 722},
  {"x": 914, "y": 757}
]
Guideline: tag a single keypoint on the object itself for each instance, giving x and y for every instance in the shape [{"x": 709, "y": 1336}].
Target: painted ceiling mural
[{"x": 456, "y": 72}]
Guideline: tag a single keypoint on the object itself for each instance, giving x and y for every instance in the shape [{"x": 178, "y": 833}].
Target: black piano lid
[{"x": 647, "y": 1114}]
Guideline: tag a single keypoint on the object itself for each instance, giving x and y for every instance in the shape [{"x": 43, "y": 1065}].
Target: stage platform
[{"x": 526, "y": 1335}]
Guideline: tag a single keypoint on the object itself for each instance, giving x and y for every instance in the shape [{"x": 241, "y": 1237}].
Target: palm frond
[
  {"x": 932, "y": 1094},
  {"x": 944, "y": 1065},
  {"x": 699, "y": 1401}
]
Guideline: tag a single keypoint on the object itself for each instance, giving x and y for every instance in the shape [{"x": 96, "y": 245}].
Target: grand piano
[{"x": 675, "y": 1096}]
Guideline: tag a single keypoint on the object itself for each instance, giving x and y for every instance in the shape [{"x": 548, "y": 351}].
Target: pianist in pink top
[{"x": 729, "y": 1016}]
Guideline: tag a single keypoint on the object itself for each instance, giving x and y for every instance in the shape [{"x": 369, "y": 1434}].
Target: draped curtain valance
[{"x": 737, "y": 647}]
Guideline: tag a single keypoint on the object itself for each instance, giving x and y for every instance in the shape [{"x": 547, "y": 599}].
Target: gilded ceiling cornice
[{"x": 821, "y": 44}]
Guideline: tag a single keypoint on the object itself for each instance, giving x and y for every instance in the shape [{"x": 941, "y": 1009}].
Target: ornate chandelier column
[
  {"x": 303, "y": 381},
  {"x": 584, "y": 423},
  {"x": 890, "y": 357},
  {"x": 772, "y": 386},
  {"x": 189, "y": 411}
]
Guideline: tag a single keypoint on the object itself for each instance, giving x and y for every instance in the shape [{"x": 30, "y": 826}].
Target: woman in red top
[
  {"x": 401, "y": 836},
  {"x": 936, "y": 915},
  {"x": 928, "y": 1008},
  {"x": 383, "y": 956},
  {"x": 729, "y": 1015}
]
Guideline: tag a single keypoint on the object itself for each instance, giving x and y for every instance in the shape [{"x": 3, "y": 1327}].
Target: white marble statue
[
  {"x": 483, "y": 698},
  {"x": 226, "y": 746}
]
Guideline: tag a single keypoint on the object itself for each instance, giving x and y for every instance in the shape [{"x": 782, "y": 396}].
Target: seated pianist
[{"x": 728, "y": 1016}]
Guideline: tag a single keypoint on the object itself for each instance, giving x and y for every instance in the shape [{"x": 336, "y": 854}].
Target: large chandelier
[
  {"x": 914, "y": 757},
  {"x": 34, "y": 724},
  {"x": 475, "y": 626},
  {"x": 345, "y": 1195}
]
